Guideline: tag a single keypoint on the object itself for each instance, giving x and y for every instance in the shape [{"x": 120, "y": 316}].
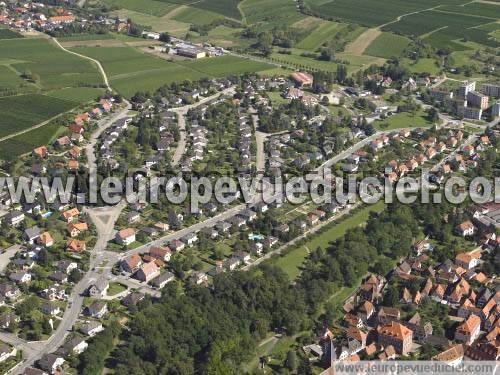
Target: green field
[
  {"x": 25, "y": 143},
  {"x": 425, "y": 65},
  {"x": 403, "y": 120},
  {"x": 324, "y": 32},
  {"x": 77, "y": 94},
  {"x": 196, "y": 16},
  {"x": 275, "y": 12},
  {"x": 296, "y": 61},
  {"x": 292, "y": 260},
  {"x": 55, "y": 67},
  {"x": 84, "y": 37},
  {"x": 130, "y": 70},
  {"x": 371, "y": 12},
  {"x": 450, "y": 26},
  {"x": 157, "y": 23},
  {"x": 227, "y": 8},
  {"x": 23, "y": 111},
  {"x": 152, "y": 7},
  {"x": 387, "y": 45},
  {"x": 9, "y": 34},
  {"x": 476, "y": 9}
]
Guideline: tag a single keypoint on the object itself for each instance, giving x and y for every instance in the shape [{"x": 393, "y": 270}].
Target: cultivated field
[
  {"x": 24, "y": 143},
  {"x": 55, "y": 67},
  {"x": 77, "y": 94},
  {"x": 152, "y": 7},
  {"x": 387, "y": 45},
  {"x": 370, "y": 12},
  {"x": 24, "y": 111},
  {"x": 9, "y": 34},
  {"x": 322, "y": 33},
  {"x": 130, "y": 70},
  {"x": 274, "y": 12},
  {"x": 449, "y": 26}
]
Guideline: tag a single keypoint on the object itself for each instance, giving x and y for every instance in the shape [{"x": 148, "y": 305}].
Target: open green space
[
  {"x": 322, "y": 33},
  {"x": 292, "y": 260},
  {"x": 116, "y": 288},
  {"x": 488, "y": 10},
  {"x": 403, "y": 120},
  {"x": 23, "y": 111},
  {"x": 387, "y": 45}
]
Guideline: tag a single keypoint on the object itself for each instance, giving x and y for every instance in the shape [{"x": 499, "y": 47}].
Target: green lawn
[
  {"x": 387, "y": 45},
  {"x": 403, "y": 120},
  {"x": 116, "y": 288},
  {"x": 337, "y": 230},
  {"x": 293, "y": 259},
  {"x": 196, "y": 16}
]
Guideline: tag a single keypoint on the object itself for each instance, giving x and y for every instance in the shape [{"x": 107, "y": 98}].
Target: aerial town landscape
[{"x": 255, "y": 90}]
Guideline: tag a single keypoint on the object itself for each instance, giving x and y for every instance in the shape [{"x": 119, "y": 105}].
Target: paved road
[
  {"x": 104, "y": 219},
  {"x": 181, "y": 121},
  {"x": 103, "y": 125}
]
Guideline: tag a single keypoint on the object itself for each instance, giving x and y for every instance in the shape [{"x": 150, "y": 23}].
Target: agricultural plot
[
  {"x": 23, "y": 111},
  {"x": 477, "y": 9},
  {"x": 159, "y": 24},
  {"x": 450, "y": 26},
  {"x": 24, "y": 143},
  {"x": 275, "y": 12},
  {"x": 130, "y": 71},
  {"x": 152, "y": 7},
  {"x": 76, "y": 94},
  {"x": 371, "y": 12},
  {"x": 196, "y": 16},
  {"x": 9, "y": 34},
  {"x": 227, "y": 8},
  {"x": 10, "y": 81},
  {"x": 225, "y": 65},
  {"x": 387, "y": 45},
  {"x": 85, "y": 37},
  {"x": 324, "y": 32},
  {"x": 55, "y": 67}
]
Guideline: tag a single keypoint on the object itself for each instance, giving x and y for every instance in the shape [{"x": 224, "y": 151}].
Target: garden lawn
[{"x": 116, "y": 288}]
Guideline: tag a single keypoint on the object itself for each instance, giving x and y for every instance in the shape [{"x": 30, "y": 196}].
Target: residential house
[
  {"x": 468, "y": 331},
  {"x": 91, "y": 328},
  {"x": 96, "y": 309},
  {"x": 131, "y": 263},
  {"x": 163, "y": 279},
  {"x": 397, "y": 335},
  {"x": 125, "y": 236},
  {"x": 99, "y": 289},
  {"x": 147, "y": 272},
  {"x": 50, "y": 363}
]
